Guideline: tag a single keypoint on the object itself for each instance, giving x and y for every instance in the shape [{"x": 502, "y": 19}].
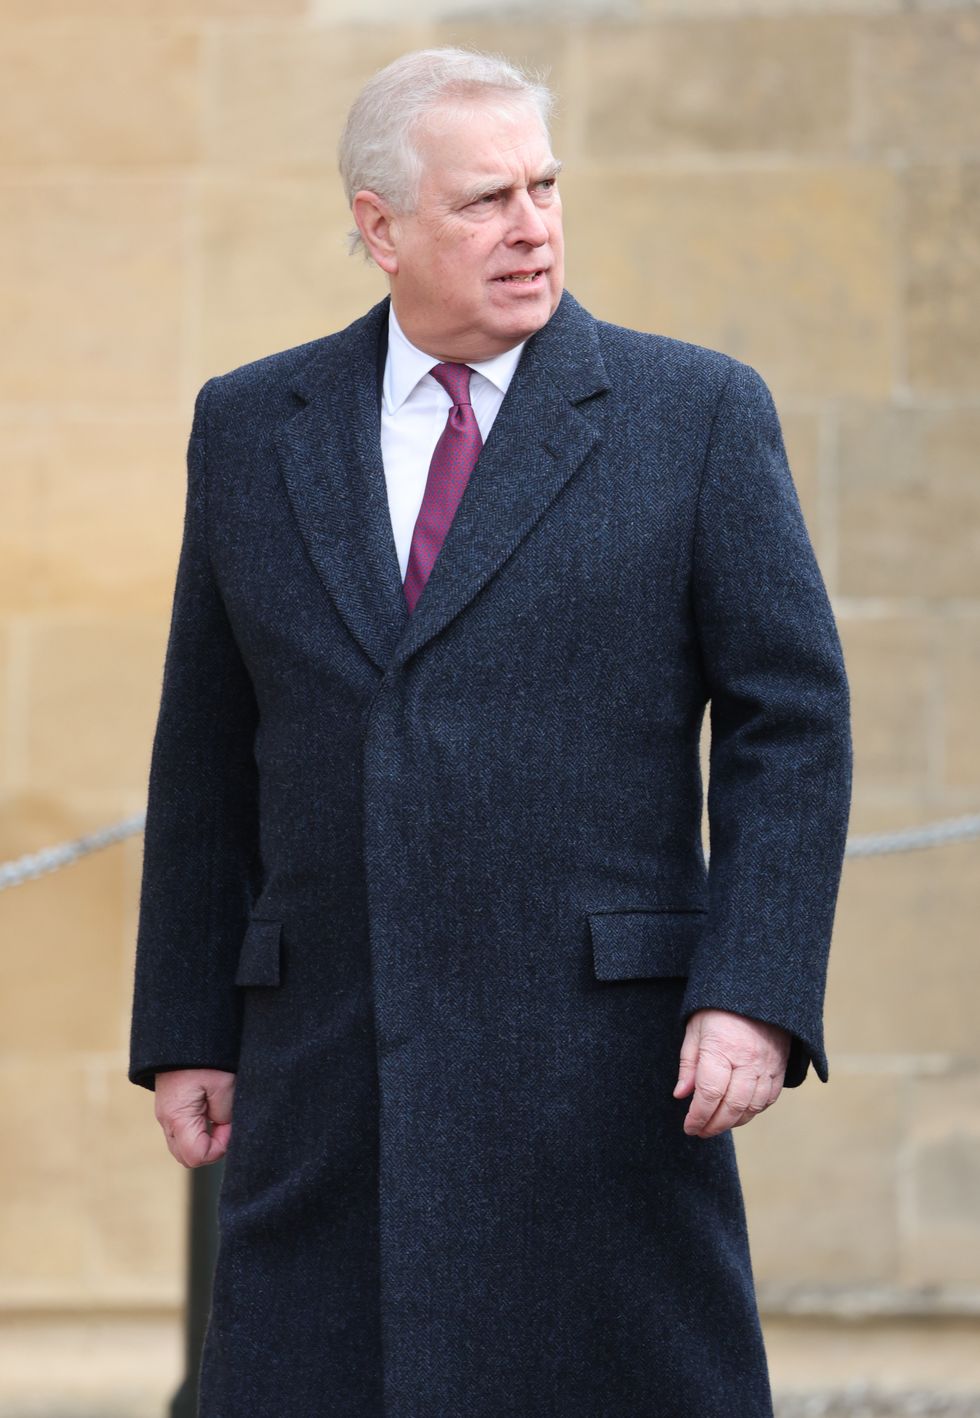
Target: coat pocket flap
[
  {"x": 258, "y": 960},
  {"x": 633, "y": 944}
]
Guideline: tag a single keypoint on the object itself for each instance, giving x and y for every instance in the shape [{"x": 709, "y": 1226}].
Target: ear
[{"x": 375, "y": 220}]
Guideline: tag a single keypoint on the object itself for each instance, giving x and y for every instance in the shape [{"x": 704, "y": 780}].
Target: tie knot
[{"x": 455, "y": 379}]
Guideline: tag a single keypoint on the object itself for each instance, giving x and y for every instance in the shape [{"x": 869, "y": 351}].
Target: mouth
[{"x": 522, "y": 278}]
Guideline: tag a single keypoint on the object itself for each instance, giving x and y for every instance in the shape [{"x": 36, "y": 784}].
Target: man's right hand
[{"x": 193, "y": 1106}]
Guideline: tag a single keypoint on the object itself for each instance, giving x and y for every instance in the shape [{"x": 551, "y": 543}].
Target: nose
[{"x": 528, "y": 226}]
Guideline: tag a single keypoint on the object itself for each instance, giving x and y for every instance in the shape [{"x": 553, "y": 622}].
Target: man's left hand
[{"x": 734, "y": 1066}]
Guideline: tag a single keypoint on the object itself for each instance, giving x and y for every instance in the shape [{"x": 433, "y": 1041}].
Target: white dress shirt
[{"x": 414, "y": 410}]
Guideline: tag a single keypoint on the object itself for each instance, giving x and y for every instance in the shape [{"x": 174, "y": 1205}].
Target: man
[{"x": 423, "y": 886}]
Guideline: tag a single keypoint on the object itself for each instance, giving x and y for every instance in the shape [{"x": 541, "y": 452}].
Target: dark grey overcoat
[{"x": 433, "y": 884}]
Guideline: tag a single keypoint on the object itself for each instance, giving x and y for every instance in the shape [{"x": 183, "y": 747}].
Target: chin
[
  {"x": 543, "y": 317},
  {"x": 502, "y": 329},
  {"x": 523, "y": 323}
]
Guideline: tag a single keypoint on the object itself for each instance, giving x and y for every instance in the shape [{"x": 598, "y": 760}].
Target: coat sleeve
[
  {"x": 780, "y": 757},
  {"x": 200, "y": 850}
]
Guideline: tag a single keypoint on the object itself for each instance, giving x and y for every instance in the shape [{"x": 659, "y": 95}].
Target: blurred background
[{"x": 795, "y": 183}]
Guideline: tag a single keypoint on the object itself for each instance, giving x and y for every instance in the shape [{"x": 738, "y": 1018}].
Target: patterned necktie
[{"x": 452, "y": 462}]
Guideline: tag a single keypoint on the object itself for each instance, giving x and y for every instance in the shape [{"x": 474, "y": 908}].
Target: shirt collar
[{"x": 407, "y": 364}]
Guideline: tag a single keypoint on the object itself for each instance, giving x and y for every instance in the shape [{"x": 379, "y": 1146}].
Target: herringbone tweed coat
[{"x": 433, "y": 884}]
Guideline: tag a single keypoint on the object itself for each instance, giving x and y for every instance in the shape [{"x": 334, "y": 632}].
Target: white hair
[{"x": 377, "y": 149}]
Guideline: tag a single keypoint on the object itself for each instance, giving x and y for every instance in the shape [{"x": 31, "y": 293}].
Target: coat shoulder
[
  {"x": 265, "y": 383},
  {"x": 251, "y": 395},
  {"x": 272, "y": 370},
  {"x": 637, "y": 359}
]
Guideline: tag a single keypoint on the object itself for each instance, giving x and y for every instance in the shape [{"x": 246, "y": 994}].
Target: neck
[{"x": 446, "y": 348}]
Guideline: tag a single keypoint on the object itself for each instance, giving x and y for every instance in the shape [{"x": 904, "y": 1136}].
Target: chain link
[
  {"x": 51, "y": 858},
  {"x": 909, "y": 839}
]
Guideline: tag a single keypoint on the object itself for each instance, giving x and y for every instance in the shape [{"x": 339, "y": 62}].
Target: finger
[
  {"x": 777, "y": 1085},
  {"x": 710, "y": 1086},
  {"x": 688, "y": 1062},
  {"x": 184, "y": 1134},
  {"x": 205, "y": 1146},
  {"x": 222, "y": 1107},
  {"x": 759, "y": 1101},
  {"x": 732, "y": 1105},
  {"x": 207, "y": 1134},
  {"x": 168, "y": 1124},
  {"x": 192, "y": 1137},
  {"x": 199, "y": 1149},
  {"x": 220, "y": 1100},
  {"x": 220, "y": 1138},
  {"x": 174, "y": 1139}
]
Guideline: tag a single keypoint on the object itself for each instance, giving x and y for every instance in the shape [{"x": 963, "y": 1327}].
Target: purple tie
[{"x": 453, "y": 460}]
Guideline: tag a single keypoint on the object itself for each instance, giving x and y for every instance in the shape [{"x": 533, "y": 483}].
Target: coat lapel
[
  {"x": 539, "y": 438},
  {"x": 330, "y": 454}
]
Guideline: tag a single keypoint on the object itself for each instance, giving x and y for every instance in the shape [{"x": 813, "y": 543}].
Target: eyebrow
[{"x": 501, "y": 184}]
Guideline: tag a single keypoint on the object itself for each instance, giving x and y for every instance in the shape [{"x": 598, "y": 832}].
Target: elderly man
[{"x": 424, "y": 890}]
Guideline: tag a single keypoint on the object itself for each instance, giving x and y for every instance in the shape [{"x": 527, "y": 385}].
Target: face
[{"x": 479, "y": 265}]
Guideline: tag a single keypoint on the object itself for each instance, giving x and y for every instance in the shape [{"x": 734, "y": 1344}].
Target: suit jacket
[{"x": 433, "y": 884}]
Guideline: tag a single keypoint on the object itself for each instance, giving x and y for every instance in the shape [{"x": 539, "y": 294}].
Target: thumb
[
  {"x": 212, "y": 1142},
  {"x": 688, "y": 1061},
  {"x": 220, "y": 1099}
]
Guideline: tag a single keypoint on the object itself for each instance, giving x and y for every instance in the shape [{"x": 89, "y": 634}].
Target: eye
[{"x": 547, "y": 183}]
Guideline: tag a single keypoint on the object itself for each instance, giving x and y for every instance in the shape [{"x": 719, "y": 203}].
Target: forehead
[{"x": 464, "y": 142}]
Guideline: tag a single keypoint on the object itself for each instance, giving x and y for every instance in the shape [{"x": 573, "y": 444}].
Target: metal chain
[
  {"x": 909, "y": 839},
  {"x": 51, "y": 858}
]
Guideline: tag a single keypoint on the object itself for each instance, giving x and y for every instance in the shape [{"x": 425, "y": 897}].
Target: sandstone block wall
[{"x": 795, "y": 183}]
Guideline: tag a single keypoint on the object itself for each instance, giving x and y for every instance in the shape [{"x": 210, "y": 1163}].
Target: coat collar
[{"x": 330, "y": 454}]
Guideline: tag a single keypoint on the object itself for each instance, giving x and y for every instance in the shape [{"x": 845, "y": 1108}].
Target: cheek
[
  {"x": 476, "y": 257},
  {"x": 558, "y": 256},
  {"x": 465, "y": 257}
]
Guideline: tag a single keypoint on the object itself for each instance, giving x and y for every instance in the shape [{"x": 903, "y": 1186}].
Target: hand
[
  {"x": 734, "y": 1066},
  {"x": 193, "y": 1106}
]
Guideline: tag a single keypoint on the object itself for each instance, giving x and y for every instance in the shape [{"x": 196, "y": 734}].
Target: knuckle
[{"x": 741, "y": 1098}]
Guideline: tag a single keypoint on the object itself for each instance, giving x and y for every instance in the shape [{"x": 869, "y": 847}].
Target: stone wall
[{"x": 797, "y": 184}]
